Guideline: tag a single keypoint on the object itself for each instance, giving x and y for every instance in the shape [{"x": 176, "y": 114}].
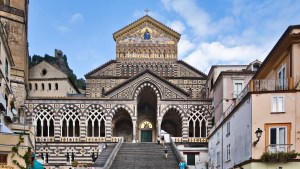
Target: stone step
[
  {"x": 102, "y": 158},
  {"x": 144, "y": 155}
]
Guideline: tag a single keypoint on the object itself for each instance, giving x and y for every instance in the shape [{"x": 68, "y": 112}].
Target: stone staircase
[
  {"x": 102, "y": 158},
  {"x": 144, "y": 156}
]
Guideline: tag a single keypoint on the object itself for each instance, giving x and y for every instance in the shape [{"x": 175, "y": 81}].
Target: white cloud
[
  {"x": 76, "y": 18},
  {"x": 184, "y": 46},
  {"x": 63, "y": 29},
  {"x": 208, "y": 54},
  {"x": 177, "y": 26}
]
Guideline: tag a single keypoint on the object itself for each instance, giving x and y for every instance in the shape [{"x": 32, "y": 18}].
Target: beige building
[
  {"x": 47, "y": 81},
  {"x": 13, "y": 73},
  {"x": 261, "y": 128}
]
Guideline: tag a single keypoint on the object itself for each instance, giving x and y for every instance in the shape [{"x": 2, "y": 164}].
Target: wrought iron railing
[
  {"x": 271, "y": 85},
  {"x": 273, "y": 148}
]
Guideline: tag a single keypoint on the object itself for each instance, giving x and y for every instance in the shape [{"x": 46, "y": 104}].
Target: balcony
[
  {"x": 261, "y": 85},
  {"x": 274, "y": 148}
]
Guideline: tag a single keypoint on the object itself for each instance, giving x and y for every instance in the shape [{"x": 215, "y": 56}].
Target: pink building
[{"x": 261, "y": 128}]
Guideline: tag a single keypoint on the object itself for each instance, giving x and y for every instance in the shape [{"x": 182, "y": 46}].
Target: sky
[{"x": 212, "y": 32}]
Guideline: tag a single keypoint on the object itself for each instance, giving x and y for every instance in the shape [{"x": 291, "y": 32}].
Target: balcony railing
[
  {"x": 95, "y": 139},
  {"x": 261, "y": 85},
  {"x": 273, "y": 148},
  {"x": 44, "y": 139}
]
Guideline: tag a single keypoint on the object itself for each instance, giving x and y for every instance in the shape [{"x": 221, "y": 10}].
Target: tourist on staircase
[{"x": 166, "y": 152}]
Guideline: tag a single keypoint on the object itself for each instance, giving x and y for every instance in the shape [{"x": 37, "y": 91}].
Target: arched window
[
  {"x": 30, "y": 86},
  {"x": 36, "y": 86},
  {"x": 56, "y": 86},
  {"x": 198, "y": 123},
  {"x": 70, "y": 122},
  {"x": 146, "y": 125},
  {"x": 95, "y": 122},
  {"x": 49, "y": 86},
  {"x": 44, "y": 121},
  {"x": 43, "y": 86}
]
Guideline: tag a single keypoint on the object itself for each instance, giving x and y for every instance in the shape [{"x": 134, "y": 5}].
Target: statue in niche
[{"x": 147, "y": 35}]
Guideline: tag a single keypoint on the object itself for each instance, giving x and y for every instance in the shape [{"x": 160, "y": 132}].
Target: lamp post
[{"x": 258, "y": 133}]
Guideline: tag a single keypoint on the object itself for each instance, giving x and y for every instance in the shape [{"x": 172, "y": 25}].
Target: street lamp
[{"x": 258, "y": 133}]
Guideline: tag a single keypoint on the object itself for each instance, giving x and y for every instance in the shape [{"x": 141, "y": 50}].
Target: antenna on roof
[{"x": 147, "y": 11}]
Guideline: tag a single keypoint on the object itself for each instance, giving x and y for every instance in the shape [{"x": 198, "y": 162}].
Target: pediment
[
  {"x": 155, "y": 31},
  {"x": 131, "y": 87},
  {"x": 45, "y": 70},
  {"x": 107, "y": 69}
]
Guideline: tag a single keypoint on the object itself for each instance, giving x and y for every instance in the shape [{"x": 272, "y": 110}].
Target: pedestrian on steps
[
  {"x": 182, "y": 165},
  {"x": 158, "y": 140},
  {"x": 163, "y": 140},
  {"x": 166, "y": 152}
]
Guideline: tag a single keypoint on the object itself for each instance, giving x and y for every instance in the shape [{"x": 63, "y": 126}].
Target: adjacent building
[
  {"x": 13, "y": 70},
  {"x": 262, "y": 124}
]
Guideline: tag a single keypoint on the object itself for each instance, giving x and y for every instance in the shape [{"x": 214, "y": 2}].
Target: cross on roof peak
[{"x": 147, "y": 11}]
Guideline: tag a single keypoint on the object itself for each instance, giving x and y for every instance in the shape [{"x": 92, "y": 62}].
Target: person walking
[
  {"x": 163, "y": 140},
  {"x": 182, "y": 165},
  {"x": 166, "y": 152},
  {"x": 158, "y": 140}
]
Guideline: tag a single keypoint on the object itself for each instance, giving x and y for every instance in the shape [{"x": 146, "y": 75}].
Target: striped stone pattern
[
  {"x": 108, "y": 127},
  {"x": 57, "y": 152}
]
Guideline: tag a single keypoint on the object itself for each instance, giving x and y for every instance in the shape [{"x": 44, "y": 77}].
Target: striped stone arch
[
  {"x": 97, "y": 106},
  {"x": 41, "y": 107},
  {"x": 200, "y": 113},
  {"x": 71, "y": 115},
  {"x": 44, "y": 120},
  {"x": 140, "y": 87},
  {"x": 167, "y": 108},
  {"x": 95, "y": 116},
  {"x": 72, "y": 106},
  {"x": 113, "y": 110}
]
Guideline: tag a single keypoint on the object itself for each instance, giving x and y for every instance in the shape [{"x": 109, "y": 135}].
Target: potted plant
[{"x": 74, "y": 163}]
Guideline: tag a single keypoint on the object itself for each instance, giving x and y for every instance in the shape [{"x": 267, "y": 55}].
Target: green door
[{"x": 146, "y": 136}]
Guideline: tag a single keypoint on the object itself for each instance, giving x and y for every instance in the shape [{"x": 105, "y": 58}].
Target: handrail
[
  {"x": 113, "y": 155},
  {"x": 176, "y": 151}
]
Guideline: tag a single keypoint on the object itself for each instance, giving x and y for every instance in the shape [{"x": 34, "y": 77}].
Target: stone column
[
  {"x": 82, "y": 129},
  {"x": 134, "y": 131},
  {"x": 108, "y": 128},
  {"x": 57, "y": 126},
  {"x": 185, "y": 129}
]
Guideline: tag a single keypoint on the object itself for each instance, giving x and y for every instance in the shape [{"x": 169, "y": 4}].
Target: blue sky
[{"x": 212, "y": 32}]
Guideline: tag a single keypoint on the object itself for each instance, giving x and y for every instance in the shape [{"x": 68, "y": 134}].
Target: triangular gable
[
  {"x": 165, "y": 89},
  {"x": 101, "y": 69},
  {"x": 189, "y": 71},
  {"x": 142, "y": 20},
  {"x": 36, "y": 72}
]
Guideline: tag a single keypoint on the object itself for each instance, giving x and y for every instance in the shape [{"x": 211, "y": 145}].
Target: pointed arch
[
  {"x": 95, "y": 121},
  {"x": 70, "y": 120},
  {"x": 140, "y": 87},
  {"x": 199, "y": 121},
  {"x": 44, "y": 120}
]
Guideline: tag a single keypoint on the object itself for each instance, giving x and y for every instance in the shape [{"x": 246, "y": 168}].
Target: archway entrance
[
  {"x": 172, "y": 123},
  {"x": 147, "y": 116},
  {"x": 146, "y": 131},
  {"x": 122, "y": 125}
]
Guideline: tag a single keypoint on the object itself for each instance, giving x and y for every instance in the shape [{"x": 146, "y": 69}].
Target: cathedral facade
[{"x": 145, "y": 91}]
